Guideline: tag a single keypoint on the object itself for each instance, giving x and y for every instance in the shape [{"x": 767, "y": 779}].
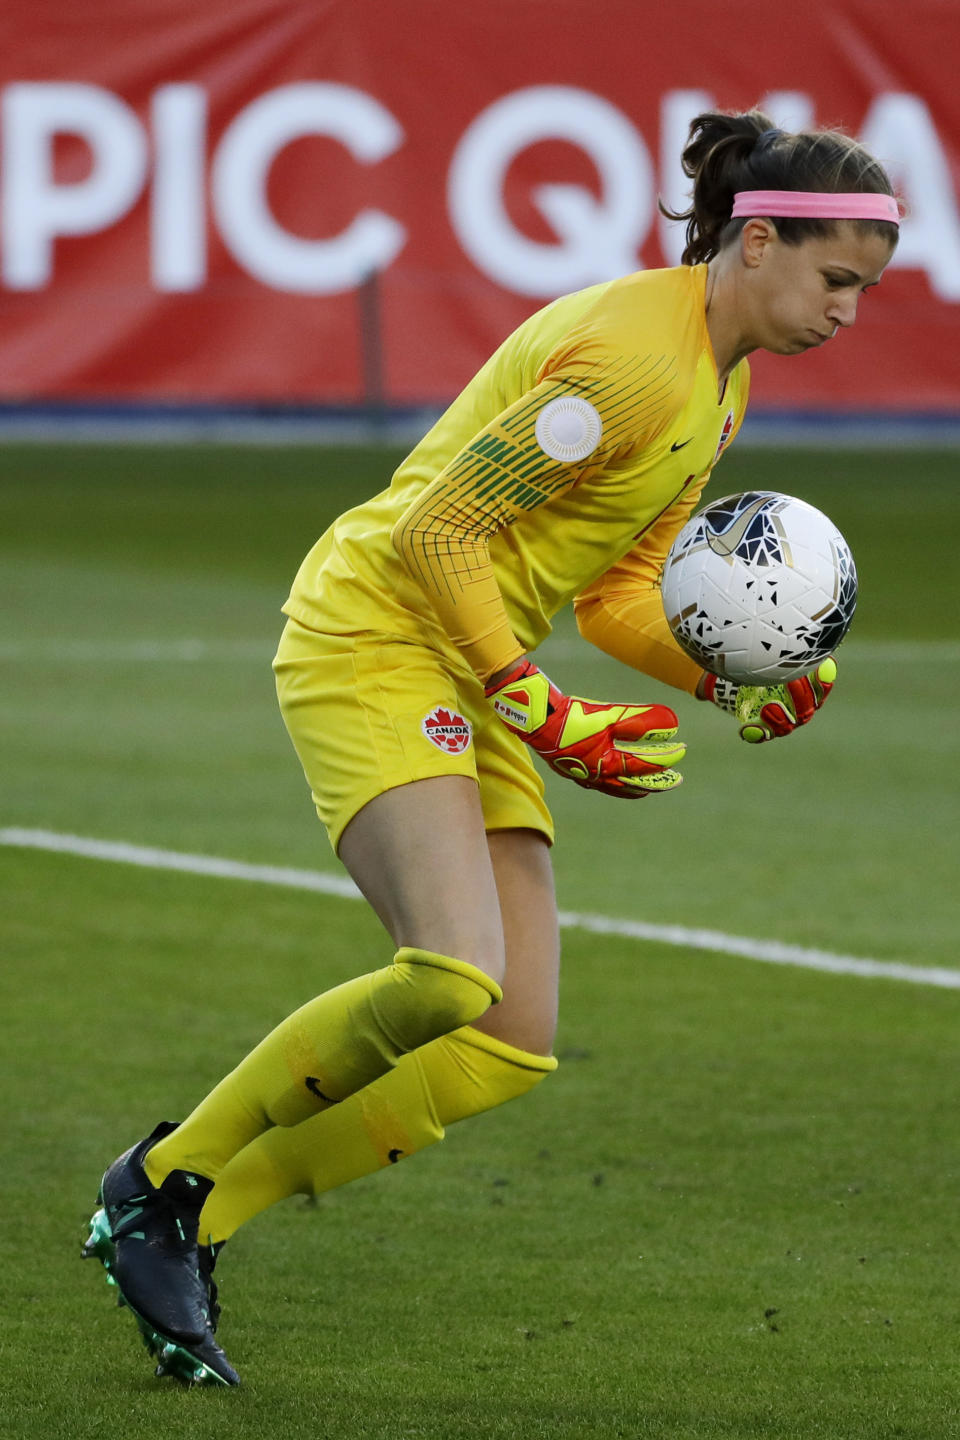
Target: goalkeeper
[{"x": 561, "y": 474}]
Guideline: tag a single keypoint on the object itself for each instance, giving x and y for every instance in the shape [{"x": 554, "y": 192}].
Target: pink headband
[{"x": 815, "y": 205}]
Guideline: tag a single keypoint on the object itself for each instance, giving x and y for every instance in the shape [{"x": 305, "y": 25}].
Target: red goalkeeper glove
[
  {"x": 766, "y": 711},
  {"x": 623, "y": 750}
]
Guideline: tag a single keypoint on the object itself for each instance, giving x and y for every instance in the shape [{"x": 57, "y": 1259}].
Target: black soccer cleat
[
  {"x": 154, "y": 1231},
  {"x": 146, "y": 1238},
  {"x": 203, "y": 1364}
]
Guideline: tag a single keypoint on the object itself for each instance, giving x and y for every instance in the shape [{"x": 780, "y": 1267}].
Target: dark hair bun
[{"x": 730, "y": 152}]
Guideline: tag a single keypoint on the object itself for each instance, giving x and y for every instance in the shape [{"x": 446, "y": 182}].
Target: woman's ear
[{"x": 755, "y": 238}]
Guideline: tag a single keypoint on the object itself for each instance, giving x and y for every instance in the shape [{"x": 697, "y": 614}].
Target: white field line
[
  {"x": 194, "y": 649},
  {"x": 770, "y": 952},
  {"x": 108, "y": 652}
]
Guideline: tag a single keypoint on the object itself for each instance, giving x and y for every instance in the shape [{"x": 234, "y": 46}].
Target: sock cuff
[
  {"x": 526, "y": 1059},
  {"x": 410, "y": 955}
]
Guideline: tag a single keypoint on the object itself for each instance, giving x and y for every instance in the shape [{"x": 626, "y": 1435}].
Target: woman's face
[{"x": 800, "y": 295}]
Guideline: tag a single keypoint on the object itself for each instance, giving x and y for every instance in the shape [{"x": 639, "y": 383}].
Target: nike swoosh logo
[
  {"x": 313, "y": 1085},
  {"x": 675, "y": 446},
  {"x": 727, "y": 543}
]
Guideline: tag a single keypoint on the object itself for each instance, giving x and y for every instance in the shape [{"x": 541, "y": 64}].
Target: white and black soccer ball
[{"x": 759, "y": 587}]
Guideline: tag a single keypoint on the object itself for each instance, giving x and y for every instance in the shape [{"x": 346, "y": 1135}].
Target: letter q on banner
[
  {"x": 599, "y": 238},
  {"x": 242, "y": 166}
]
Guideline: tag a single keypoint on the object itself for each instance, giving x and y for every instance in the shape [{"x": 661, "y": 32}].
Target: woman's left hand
[{"x": 768, "y": 711}]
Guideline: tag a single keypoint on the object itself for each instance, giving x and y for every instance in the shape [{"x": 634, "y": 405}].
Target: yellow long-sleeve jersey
[{"x": 561, "y": 472}]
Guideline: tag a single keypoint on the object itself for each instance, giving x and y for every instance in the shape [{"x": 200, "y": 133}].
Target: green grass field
[{"x": 732, "y": 1212}]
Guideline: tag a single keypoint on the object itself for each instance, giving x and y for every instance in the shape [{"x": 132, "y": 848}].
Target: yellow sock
[
  {"x": 404, "y": 1111},
  {"x": 324, "y": 1052}
]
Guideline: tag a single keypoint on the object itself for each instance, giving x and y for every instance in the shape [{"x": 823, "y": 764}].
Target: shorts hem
[
  {"x": 335, "y": 828},
  {"x": 538, "y": 825}
]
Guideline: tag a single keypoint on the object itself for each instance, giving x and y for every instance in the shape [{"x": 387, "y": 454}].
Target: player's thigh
[
  {"x": 519, "y": 834},
  {"x": 527, "y": 1016},
  {"x": 419, "y": 854},
  {"x": 382, "y": 731}
]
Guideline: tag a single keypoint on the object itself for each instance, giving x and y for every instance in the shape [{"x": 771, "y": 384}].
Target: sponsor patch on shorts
[{"x": 447, "y": 730}]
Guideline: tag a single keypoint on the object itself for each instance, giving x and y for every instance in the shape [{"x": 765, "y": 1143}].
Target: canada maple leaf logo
[{"x": 447, "y": 730}]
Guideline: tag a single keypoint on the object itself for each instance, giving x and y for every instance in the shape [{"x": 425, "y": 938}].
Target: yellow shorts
[{"x": 369, "y": 712}]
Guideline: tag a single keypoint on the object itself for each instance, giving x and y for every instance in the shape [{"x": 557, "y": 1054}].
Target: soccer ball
[{"x": 759, "y": 587}]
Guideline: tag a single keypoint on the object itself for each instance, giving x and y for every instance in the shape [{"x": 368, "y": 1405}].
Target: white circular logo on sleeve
[{"x": 568, "y": 428}]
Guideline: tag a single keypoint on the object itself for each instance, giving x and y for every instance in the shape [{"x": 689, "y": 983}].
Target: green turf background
[{"x": 732, "y": 1212}]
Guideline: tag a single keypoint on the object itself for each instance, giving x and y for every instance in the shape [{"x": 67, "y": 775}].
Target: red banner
[{"x": 292, "y": 202}]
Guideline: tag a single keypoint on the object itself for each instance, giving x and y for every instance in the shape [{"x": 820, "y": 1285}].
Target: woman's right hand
[{"x": 622, "y": 750}]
